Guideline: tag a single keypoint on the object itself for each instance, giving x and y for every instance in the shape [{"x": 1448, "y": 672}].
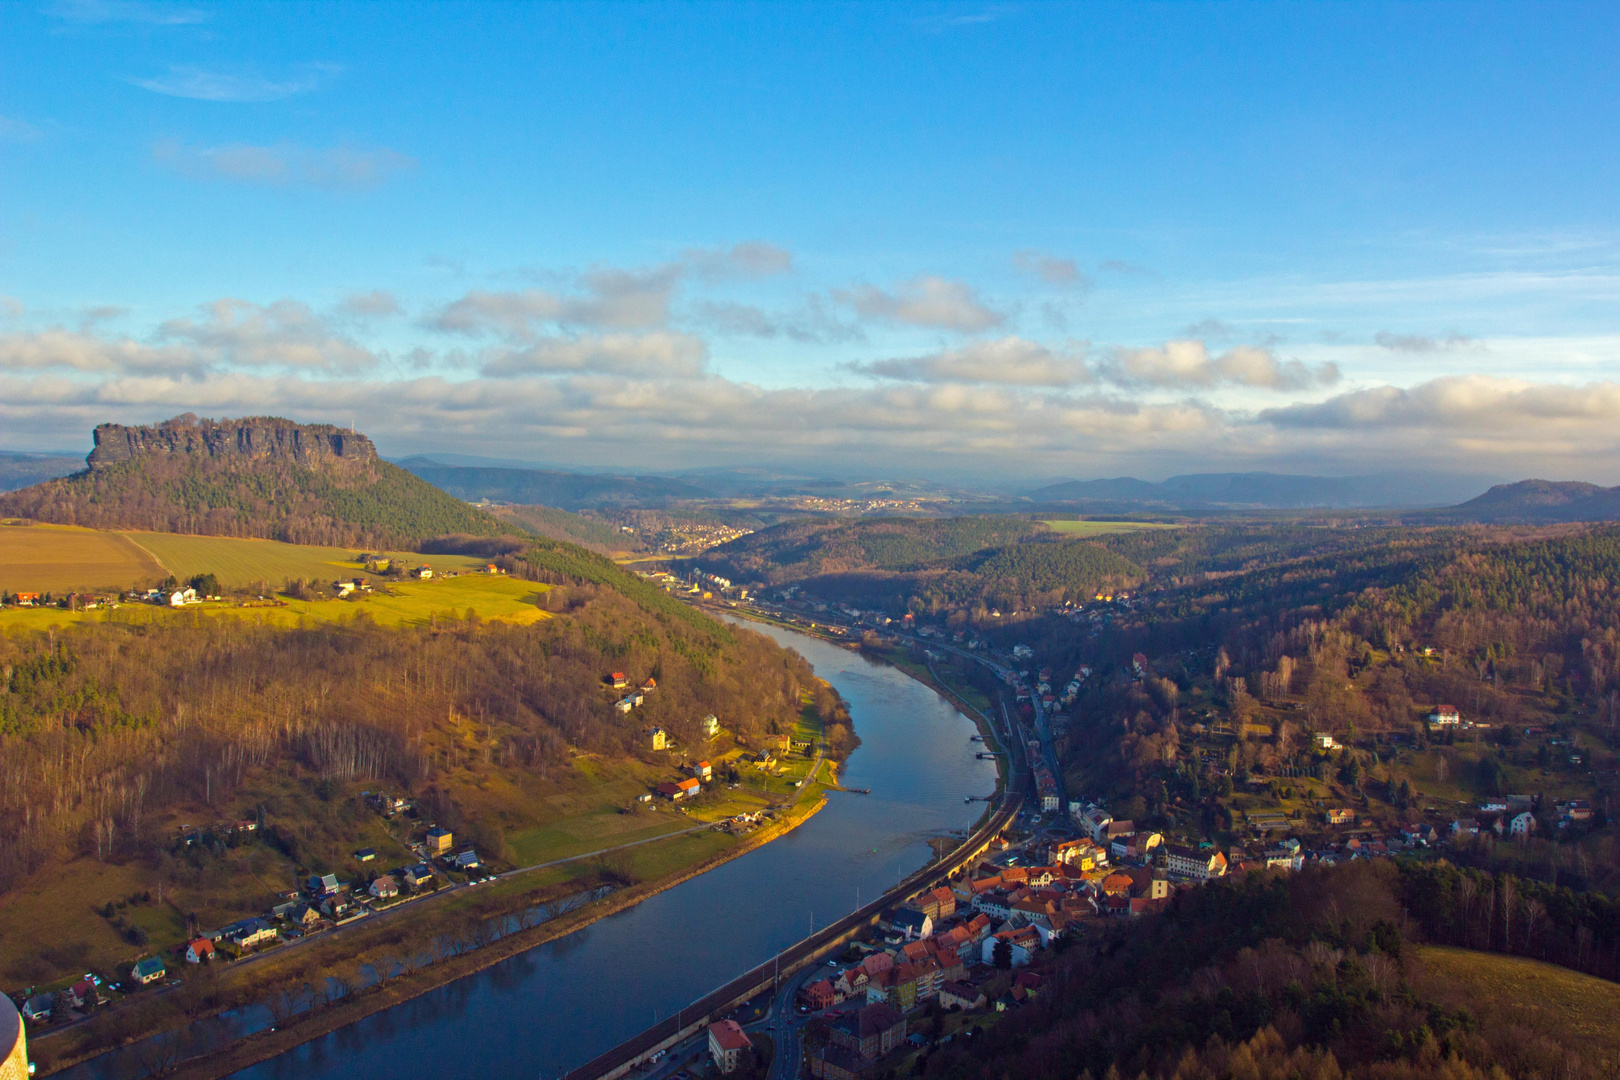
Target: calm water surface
[{"x": 560, "y": 1004}]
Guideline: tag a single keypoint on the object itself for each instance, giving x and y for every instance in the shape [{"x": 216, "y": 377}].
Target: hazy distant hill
[
  {"x": 569, "y": 491},
  {"x": 1534, "y": 501},
  {"x": 1266, "y": 491},
  {"x": 256, "y": 477},
  {"x": 21, "y": 470}
]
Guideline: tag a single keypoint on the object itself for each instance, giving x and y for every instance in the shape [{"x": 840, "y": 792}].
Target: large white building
[{"x": 1200, "y": 864}]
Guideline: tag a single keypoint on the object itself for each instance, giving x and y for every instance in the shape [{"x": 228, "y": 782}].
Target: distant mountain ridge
[
  {"x": 544, "y": 487},
  {"x": 261, "y": 476},
  {"x": 1266, "y": 491},
  {"x": 19, "y": 470}
]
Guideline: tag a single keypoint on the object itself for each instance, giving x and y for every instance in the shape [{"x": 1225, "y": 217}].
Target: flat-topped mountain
[
  {"x": 261, "y": 476},
  {"x": 255, "y": 439}
]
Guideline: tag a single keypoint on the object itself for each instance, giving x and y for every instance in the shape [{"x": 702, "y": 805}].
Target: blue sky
[{"x": 983, "y": 240}]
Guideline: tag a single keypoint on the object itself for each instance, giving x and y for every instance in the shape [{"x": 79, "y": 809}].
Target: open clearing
[
  {"x": 66, "y": 560},
  {"x": 1097, "y": 528},
  {"x": 242, "y": 562},
  {"x": 1579, "y": 1010},
  {"x": 61, "y": 558}
]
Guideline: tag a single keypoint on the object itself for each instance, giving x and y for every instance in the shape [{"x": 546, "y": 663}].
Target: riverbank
[
  {"x": 368, "y": 942},
  {"x": 268, "y": 1044}
]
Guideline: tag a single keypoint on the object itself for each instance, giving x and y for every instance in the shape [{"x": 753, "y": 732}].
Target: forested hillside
[
  {"x": 261, "y": 477},
  {"x": 571, "y": 528},
  {"x": 929, "y": 564},
  {"x": 111, "y": 724}
]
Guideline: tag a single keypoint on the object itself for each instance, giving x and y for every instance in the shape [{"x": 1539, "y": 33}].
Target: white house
[
  {"x": 182, "y": 597},
  {"x": 1522, "y": 825},
  {"x": 1445, "y": 716}
]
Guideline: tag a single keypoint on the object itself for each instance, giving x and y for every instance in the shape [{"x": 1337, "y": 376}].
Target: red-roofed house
[
  {"x": 728, "y": 1044},
  {"x": 820, "y": 995}
]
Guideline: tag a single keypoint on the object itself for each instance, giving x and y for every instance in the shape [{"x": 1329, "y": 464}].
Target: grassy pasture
[
  {"x": 1575, "y": 1009},
  {"x": 416, "y": 603},
  {"x": 1098, "y": 528},
  {"x": 58, "y": 558},
  {"x": 240, "y": 562},
  {"x": 61, "y": 558}
]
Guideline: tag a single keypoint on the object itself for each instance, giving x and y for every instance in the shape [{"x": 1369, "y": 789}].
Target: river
[{"x": 560, "y": 1004}]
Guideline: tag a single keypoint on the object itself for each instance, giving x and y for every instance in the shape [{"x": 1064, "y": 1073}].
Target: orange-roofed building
[{"x": 728, "y": 1045}]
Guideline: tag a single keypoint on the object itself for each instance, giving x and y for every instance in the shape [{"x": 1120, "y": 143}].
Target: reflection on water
[{"x": 562, "y": 1003}]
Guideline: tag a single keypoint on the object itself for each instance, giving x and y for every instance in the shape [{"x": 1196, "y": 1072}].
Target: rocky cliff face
[{"x": 224, "y": 442}]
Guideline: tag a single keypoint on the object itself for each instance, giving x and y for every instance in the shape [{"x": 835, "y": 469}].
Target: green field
[
  {"x": 63, "y": 558},
  {"x": 242, "y": 562},
  {"x": 417, "y": 603},
  {"x": 59, "y": 558},
  {"x": 1098, "y": 528}
]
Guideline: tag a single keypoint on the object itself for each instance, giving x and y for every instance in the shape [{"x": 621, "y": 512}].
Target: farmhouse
[{"x": 148, "y": 970}]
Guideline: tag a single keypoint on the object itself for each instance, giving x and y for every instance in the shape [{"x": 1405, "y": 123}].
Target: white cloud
[
  {"x": 1012, "y": 361},
  {"x": 655, "y": 355},
  {"x": 285, "y": 334},
  {"x": 286, "y": 164},
  {"x": 82, "y": 351},
  {"x": 612, "y": 299},
  {"x": 750, "y": 259},
  {"x": 1051, "y": 269},
  {"x": 1476, "y": 405},
  {"x": 201, "y": 84},
  {"x": 1419, "y": 343},
  {"x": 375, "y": 304},
  {"x": 928, "y": 301},
  {"x": 1189, "y": 364},
  {"x": 811, "y": 323}
]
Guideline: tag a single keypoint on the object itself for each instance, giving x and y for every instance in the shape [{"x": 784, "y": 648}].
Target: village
[{"x": 954, "y": 957}]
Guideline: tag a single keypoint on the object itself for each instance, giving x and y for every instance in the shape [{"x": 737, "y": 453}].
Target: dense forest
[
  {"x": 251, "y": 478},
  {"x": 105, "y": 725},
  {"x": 1313, "y": 975}
]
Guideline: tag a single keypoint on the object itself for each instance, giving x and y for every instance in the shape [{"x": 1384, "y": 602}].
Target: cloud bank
[{"x": 620, "y": 365}]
